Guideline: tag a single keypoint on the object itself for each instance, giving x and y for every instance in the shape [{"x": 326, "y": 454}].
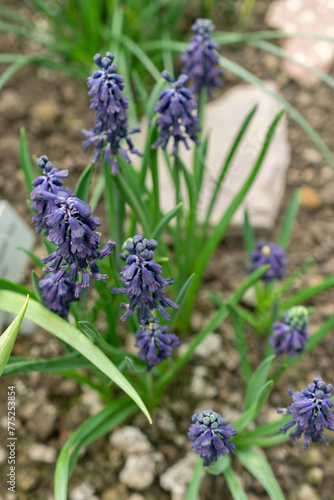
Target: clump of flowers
[
  {"x": 272, "y": 254},
  {"x": 59, "y": 297},
  {"x": 201, "y": 58},
  {"x": 211, "y": 436},
  {"x": 72, "y": 229},
  {"x": 291, "y": 335},
  {"x": 111, "y": 123},
  {"x": 155, "y": 343},
  {"x": 176, "y": 118},
  {"x": 50, "y": 181},
  {"x": 143, "y": 282},
  {"x": 311, "y": 412}
]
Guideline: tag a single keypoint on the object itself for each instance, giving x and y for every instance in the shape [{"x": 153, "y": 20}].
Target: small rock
[
  {"x": 198, "y": 386},
  {"x": 249, "y": 298},
  {"x": 92, "y": 400},
  {"x": 177, "y": 477},
  {"x": 210, "y": 346},
  {"x": 44, "y": 116},
  {"x": 12, "y": 107},
  {"x": 130, "y": 441},
  {"x": 304, "y": 492},
  {"x": 315, "y": 476},
  {"x": 164, "y": 420},
  {"x": 136, "y": 496},
  {"x": 83, "y": 492},
  {"x": 119, "y": 492},
  {"x": 27, "y": 480},
  {"x": 9, "y": 146},
  {"x": 139, "y": 470},
  {"x": 42, "y": 453},
  {"x": 309, "y": 198},
  {"x": 44, "y": 421},
  {"x": 312, "y": 155}
]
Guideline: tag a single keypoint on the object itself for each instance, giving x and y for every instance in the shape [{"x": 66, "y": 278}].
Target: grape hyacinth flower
[
  {"x": 58, "y": 297},
  {"x": 291, "y": 335},
  {"x": 311, "y": 412},
  {"x": 50, "y": 181},
  {"x": 176, "y": 115},
  {"x": 201, "y": 58},
  {"x": 155, "y": 343},
  {"x": 142, "y": 280},
  {"x": 211, "y": 436},
  {"x": 72, "y": 229},
  {"x": 272, "y": 254},
  {"x": 111, "y": 123}
]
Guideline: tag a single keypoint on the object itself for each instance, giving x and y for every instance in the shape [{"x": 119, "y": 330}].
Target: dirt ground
[{"x": 54, "y": 108}]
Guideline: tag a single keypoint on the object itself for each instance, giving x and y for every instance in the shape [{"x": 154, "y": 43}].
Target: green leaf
[
  {"x": 160, "y": 228},
  {"x": 237, "y": 491},
  {"x": 240, "y": 341},
  {"x": 181, "y": 297},
  {"x": 102, "y": 421},
  {"x": 15, "y": 287},
  {"x": 250, "y": 414},
  {"x": 289, "y": 220},
  {"x": 82, "y": 187},
  {"x": 33, "y": 257},
  {"x": 217, "y": 468},
  {"x": 220, "y": 229},
  {"x": 256, "y": 463},
  {"x": 17, "y": 365},
  {"x": 195, "y": 483},
  {"x": 267, "y": 429},
  {"x": 263, "y": 441},
  {"x": 8, "y": 337},
  {"x": 258, "y": 380},
  {"x": 249, "y": 238},
  {"x": 306, "y": 294},
  {"x": 25, "y": 161},
  {"x": 10, "y": 302},
  {"x": 35, "y": 283}
]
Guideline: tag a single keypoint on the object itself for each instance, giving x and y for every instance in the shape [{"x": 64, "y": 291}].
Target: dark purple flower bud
[
  {"x": 57, "y": 297},
  {"x": 176, "y": 118},
  {"x": 201, "y": 58},
  {"x": 291, "y": 335},
  {"x": 111, "y": 123},
  {"x": 272, "y": 254},
  {"x": 50, "y": 181},
  {"x": 72, "y": 229},
  {"x": 211, "y": 436},
  {"x": 142, "y": 281},
  {"x": 311, "y": 412},
  {"x": 155, "y": 343}
]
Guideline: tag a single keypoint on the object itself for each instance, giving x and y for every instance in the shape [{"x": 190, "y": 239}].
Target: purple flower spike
[
  {"x": 176, "y": 115},
  {"x": 291, "y": 335},
  {"x": 311, "y": 412},
  {"x": 211, "y": 436},
  {"x": 155, "y": 343},
  {"x": 50, "y": 181},
  {"x": 272, "y": 254},
  {"x": 58, "y": 297},
  {"x": 111, "y": 123},
  {"x": 143, "y": 281},
  {"x": 72, "y": 229},
  {"x": 201, "y": 58}
]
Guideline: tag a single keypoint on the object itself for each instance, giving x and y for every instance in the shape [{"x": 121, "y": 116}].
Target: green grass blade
[
  {"x": 256, "y": 463},
  {"x": 249, "y": 237},
  {"x": 25, "y": 161},
  {"x": 16, "y": 365},
  {"x": 224, "y": 38},
  {"x": 181, "y": 297},
  {"x": 16, "y": 287},
  {"x": 240, "y": 341},
  {"x": 33, "y": 257},
  {"x": 35, "y": 283},
  {"x": 84, "y": 182},
  {"x": 258, "y": 379},
  {"x": 195, "y": 483},
  {"x": 10, "y": 302},
  {"x": 160, "y": 228},
  {"x": 237, "y": 491},
  {"x": 289, "y": 220},
  {"x": 307, "y": 293},
  {"x": 295, "y": 115},
  {"x": 7, "y": 339}
]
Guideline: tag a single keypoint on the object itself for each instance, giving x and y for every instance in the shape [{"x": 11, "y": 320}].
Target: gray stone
[
  {"x": 83, "y": 492},
  {"x": 12, "y": 105},
  {"x": 223, "y": 119},
  {"x": 130, "y": 441},
  {"x": 315, "y": 476},
  {"x": 210, "y": 346},
  {"x": 304, "y": 492},
  {"x": 177, "y": 477},
  {"x": 308, "y": 16},
  {"x": 198, "y": 385},
  {"x": 42, "y": 453},
  {"x": 92, "y": 400},
  {"x": 139, "y": 470}
]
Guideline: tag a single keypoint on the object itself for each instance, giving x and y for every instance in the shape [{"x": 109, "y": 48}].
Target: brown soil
[{"x": 53, "y": 109}]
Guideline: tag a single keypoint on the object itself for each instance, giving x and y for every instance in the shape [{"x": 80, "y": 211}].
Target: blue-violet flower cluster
[
  {"x": 176, "y": 118},
  {"x": 291, "y": 335},
  {"x": 142, "y": 280},
  {"x": 272, "y": 254},
  {"x": 72, "y": 229},
  {"x": 211, "y": 436},
  {"x": 50, "y": 181},
  {"x": 155, "y": 343},
  {"x": 311, "y": 412},
  {"x": 57, "y": 297},
  {"x": 201, "y": 58},
  {"x": 111, "y": 124}
]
